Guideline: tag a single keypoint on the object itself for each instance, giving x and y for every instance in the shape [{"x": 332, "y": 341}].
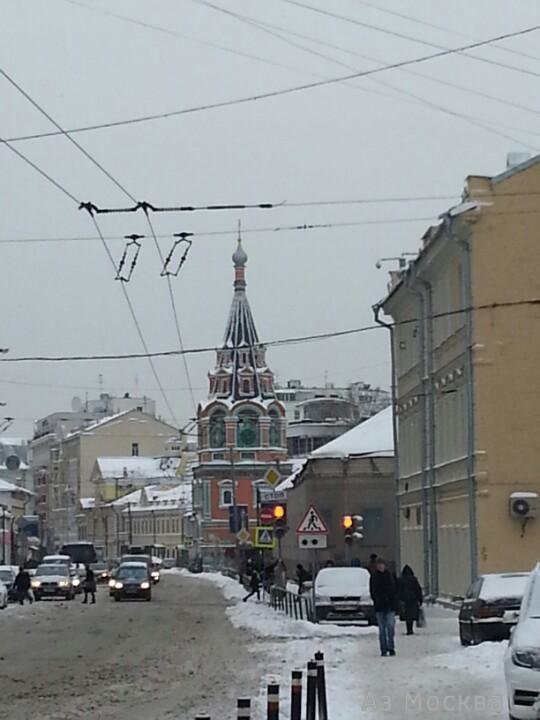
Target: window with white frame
[{"x": 225, "y": 493}]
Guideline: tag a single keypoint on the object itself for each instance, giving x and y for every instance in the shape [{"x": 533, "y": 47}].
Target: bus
[{"x": 82, "y": 552}]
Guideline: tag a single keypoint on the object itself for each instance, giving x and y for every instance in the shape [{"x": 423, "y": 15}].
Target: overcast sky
[{"x": 355, "y": 140}]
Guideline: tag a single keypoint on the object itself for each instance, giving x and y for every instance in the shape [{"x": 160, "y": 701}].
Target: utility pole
[
  {"x": 130, "y": 528},
  {"x": 4, "y": 508}
]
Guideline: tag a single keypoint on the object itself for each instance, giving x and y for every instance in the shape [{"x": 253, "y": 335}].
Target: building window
[
  {"x": 206, "y": 503},
  {"x": 225, "y": 493},
  {"x": 247, "y": 456},
  {"x": 248, "y": 429},
  {"x": 216, "y": 431},
  {"x": 246, "y": 387},
  {"x": 219, "y": 456},
  {"x": 135, "y": 449},
  {"x": 419, "y": 515},
  {"x": 275, "y": 429}
]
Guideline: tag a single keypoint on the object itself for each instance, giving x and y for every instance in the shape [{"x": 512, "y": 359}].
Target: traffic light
[
  {"x": 352, "y": 527},
  {"x": 280, "y": 520}
]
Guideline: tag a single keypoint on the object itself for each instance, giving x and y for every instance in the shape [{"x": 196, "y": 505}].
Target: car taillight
[{"x": 487, "y": 611}]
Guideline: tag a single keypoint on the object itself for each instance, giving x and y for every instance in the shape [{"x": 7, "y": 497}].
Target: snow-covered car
[
  {"x": 3, "y": 596},
  {"x": 491, "y": 607},
  {"x": 53, "y": 581},
  {"x": 132, "y": 580},
  {"x": 341, "y": 596},
  {"x": 522, "y": 657},
  {"x": 7, "y": 577}
]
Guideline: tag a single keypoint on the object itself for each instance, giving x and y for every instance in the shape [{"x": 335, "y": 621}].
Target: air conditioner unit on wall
[{"x": 524, "y": 505}]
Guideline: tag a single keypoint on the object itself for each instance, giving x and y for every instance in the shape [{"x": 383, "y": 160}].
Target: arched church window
[
  {"x": 275, "y": 428},
  {"x": 216, "y": 430},
  {"x": 248, "y": 434}
]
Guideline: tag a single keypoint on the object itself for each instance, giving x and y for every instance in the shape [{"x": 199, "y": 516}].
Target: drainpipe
[
  {"x": 429, "y": 399},
  {"x": 467, "y": 300},
  {"x": 426, "y": 518},
  {"x": 390, "y": 328}
]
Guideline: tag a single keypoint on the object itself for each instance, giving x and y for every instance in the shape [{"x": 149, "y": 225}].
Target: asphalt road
[{"x": 167, "y": 659}]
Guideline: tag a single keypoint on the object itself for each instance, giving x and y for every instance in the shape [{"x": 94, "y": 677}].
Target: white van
[{"x": 342, "y": 596}]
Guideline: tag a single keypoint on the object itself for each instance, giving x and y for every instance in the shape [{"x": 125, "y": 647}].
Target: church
[{"x": 241, "y": 427}]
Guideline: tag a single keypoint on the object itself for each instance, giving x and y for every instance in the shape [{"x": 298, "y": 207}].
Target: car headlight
[
  {"x": 76, "y": 582},
  {"x": 527, "y": 658},
  {"x": 118, "y": 585},
  {"x": 112, "y": 582},
  {"x": 36, "y": 583},
  {"x": 104, "y": 574},
  {"x": 63, "y": 583},
  {"x": 322, "y": 599},
  {"x": 145, "y": 585},
  {"x": 155, "y": 575}
]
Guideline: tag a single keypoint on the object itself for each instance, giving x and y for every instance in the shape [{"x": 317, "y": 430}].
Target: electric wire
[
  {"x": 411, "y": 38},
  {"x": 274, "y": 93},
  {"x": 297, "y": 340}
]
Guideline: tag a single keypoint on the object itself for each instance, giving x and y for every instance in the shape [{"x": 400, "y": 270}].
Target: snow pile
[{"x": 432, "y": 676}]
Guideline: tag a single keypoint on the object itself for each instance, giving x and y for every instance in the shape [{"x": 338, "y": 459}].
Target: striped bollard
[
  {"x": 321, "y": 687},
  {"x": 243, "y": 709},
  {"x": 272, "y": 712},
  {"x": 296, "y": 695},
  {"x": 311, "y": 692}
]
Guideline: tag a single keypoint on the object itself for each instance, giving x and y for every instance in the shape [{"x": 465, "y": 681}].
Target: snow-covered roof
[
  {"x": 141, "y": 467},
  {"x": 87, "y": 503},
  {"x": 138, "y": 417},
  {"x": 372, "y": 438},
  {"x": 156, "y": 496},
  {"x": 297, "y": 465},
  {"x": 6, "y": 486}
]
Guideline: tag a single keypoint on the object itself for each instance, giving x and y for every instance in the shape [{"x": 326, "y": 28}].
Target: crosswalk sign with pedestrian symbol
[
  {"x": 264, "y": 537},
  {"x": 312, "y": 523}
]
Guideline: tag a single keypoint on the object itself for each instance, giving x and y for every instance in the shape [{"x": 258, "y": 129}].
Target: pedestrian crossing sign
[
  {"x": 264, "y": 537},
  {"x": 312, "y": 523}
]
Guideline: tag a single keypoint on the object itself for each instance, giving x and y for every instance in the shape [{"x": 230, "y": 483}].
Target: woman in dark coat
[{"x": 410, "y": 598}]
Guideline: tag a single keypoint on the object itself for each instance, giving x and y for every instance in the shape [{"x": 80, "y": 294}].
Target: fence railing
[
  {"x": 299, "y": 607},
  {"x": 316, "y": 704}
]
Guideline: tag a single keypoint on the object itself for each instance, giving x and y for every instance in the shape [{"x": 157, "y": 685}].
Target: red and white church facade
[{"x": 241, "y": 426}]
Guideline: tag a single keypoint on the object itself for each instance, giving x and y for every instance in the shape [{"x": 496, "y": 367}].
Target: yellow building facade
[{"x": 466, "y": 341}]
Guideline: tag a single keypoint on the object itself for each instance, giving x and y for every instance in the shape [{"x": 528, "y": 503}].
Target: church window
[
  {"x": 217, "y": 429},
  {"x": 275, "y": 429},
  {"x": 248, "y": 429},
  {"x": 225, "y": 493},
  {"x": 246, "y": 386}
]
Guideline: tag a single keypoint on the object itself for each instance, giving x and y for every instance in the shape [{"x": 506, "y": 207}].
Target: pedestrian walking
[
  {"x": 372, "y": 564},
  {"x": 410, "y": 598},
  {"x": 303, "y": 576},
  {"x": 22, "y": 585},
  {"x": 269, "y": 575},
  {"x": 89, "y": 585},
  {"x": 254, "y": 585},
  {"x": 382, "y": 588}
]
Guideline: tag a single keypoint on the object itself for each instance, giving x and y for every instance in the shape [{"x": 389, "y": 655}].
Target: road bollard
[
  {"x": 311, "y": 691},
  {"x": 243, "y": 711},
  {"x": 296, "y": 695},
  {"x": 321, "y": 687},
  {"x": 272, "y": 701}
]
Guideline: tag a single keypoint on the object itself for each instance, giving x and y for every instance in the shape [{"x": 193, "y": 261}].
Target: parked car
[
  {"x": 7, "y": 578},
  {"x": 342, "y": 596},
  {"x": 491, "y": 607},
  {"x": 132, "y": 580},
  {"x": 3, "y": 596},
  {"x": 53, "y": 581},
  {"x": 522, "y": 657}
]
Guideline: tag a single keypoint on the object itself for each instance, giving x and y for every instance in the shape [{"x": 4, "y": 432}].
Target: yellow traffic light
[
  {"x": 279, "y": 512},
  {"x": 347, "y": 522}
]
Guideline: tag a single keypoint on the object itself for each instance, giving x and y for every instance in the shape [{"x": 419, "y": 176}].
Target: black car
[
  {"x": 491, "y": 607},
  {"x": 132, "y": 580},
  {"x": 102, "y": 572}
]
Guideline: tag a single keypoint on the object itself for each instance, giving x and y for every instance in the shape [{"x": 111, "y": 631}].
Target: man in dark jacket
[
  {"x": 89, "y": 585},
  {"x": 254, "y": 585},
  {"x": 382, "y": 588},
  {"x": 410, "y": 598},
  {"x": 22, "y": 586}
]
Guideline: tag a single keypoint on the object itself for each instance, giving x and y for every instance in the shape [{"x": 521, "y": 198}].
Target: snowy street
[{"x": 197, "y": 648}]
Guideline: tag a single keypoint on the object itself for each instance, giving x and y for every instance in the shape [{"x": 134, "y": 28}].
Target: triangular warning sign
[{"x": 312, "y": 523}]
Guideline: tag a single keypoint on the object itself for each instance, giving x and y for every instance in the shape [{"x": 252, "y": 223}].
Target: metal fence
[{"x": 299, "y": 607}]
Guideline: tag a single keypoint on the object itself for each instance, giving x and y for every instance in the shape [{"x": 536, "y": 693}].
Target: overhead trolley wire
[
  {"x": 276, "y": 93},
  {"x": 279, "y": 342}
]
